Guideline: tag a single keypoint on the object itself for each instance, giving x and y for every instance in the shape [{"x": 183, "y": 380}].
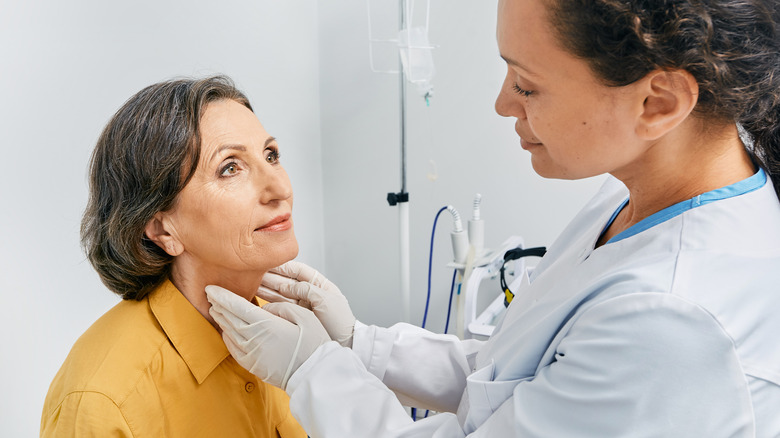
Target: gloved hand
[
  {"x": 298, "y": 283},
  {"x": 271, "y": 342}
]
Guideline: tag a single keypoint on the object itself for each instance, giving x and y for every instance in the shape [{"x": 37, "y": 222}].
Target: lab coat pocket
[{"x": 485, "y": 396}]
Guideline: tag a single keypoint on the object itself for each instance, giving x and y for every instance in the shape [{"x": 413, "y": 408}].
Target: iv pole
[{"x": 402, "y": 198}]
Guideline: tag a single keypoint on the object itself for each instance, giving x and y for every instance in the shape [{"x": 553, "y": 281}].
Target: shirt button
[{"x": 249, "y": 387}]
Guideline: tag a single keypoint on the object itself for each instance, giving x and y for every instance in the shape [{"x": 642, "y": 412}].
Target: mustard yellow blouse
[{"x": 157, "y": 368}]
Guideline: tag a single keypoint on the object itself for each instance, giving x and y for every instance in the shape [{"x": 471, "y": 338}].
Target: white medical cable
[
  {"x": 460, "y": 240},
  {"x": 477, "y": 201},
  {"x": 477, "y": 228},
  {"x": 457, "y": 223}
]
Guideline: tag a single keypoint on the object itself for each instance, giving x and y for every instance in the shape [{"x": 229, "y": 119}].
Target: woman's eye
[
  {"x": 273, "y": 156},
  {"x": 521, "y": 91},
  {"x": 229, "y": 170}
]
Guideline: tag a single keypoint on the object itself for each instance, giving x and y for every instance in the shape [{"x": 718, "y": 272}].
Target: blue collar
[{"x": 738, "y": 188}]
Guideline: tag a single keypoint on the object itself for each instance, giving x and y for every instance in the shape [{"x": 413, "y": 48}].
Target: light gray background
[{"x": 65, "y": 67}]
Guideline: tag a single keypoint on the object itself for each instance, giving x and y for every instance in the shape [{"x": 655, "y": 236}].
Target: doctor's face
[
  {"x": 572, "y": 124},
  {"x": 233, "y": 216}
]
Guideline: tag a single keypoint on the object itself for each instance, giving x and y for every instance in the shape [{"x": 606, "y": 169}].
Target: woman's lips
[
  {"x": 525, "y": 144},
  {"x": 279, "y": 223}
]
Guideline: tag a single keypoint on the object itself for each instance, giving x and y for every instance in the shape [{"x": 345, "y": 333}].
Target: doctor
[{"x": 653, "y": 314}]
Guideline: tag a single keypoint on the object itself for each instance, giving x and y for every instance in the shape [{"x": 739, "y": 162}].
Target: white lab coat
[{"x": 673, "y": 331}]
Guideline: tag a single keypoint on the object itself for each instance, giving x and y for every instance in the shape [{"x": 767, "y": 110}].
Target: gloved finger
[
  {"x": 263, "y": 322},
  {"x": 234, "y": 349},
  {"x": 273, "y": 296},
  {"x": 230, "y": 325},
  {"x": 278, "y": 284},
  {"x": 237, "y": 352},
  {"x": 219, "y": 297},
  {"x": 304, "y": 293},
  {"x": 273, "y": 281},
  {"x": 228, "y": 302},
  {"x": 292, "y": 313},
  {"x": 301, "y": 272}
]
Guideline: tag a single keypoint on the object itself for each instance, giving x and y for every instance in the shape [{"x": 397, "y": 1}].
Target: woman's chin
[
  {"x": 293, "y": 251},
  {"x": 286, "y": 252}
]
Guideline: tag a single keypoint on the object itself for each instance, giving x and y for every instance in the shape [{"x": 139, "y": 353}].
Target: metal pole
[
  {"x": 403, "y": 206},
  {"x": 402, "y": 88}
]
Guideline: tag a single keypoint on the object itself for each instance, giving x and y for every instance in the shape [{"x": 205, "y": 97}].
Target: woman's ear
[
  {"x": 160, "y": 231},
  {"x": 670, "y": 97}
]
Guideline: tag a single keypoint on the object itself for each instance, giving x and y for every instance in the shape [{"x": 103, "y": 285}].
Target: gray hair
[{"x": 145, "y": 156}]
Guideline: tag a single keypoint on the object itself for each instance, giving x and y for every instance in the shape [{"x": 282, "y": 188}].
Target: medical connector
[
  {"x": 460, "y": 240},
  {"x": 514, "y": 254},
  {"x": 477, "y": 227}
]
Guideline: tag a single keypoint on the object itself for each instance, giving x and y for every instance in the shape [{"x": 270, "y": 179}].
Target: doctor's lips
[
  {"x": 279, "y": 223},
  {"x": 525, "y": 140}
]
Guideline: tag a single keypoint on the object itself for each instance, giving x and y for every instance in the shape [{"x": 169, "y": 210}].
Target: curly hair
[
  {"x": 145, "y": 156},
  {"x": 731, "y": 47}
]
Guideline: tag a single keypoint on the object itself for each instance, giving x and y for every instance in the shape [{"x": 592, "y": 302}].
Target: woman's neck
[
  {"x": 192, "y": 278},
  {"x": 680, "y": 166}
]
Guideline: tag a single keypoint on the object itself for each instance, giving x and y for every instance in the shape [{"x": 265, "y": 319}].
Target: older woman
[{"x": 186, "y": 189}]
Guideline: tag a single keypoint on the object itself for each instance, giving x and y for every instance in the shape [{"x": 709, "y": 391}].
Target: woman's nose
[{"x": 275, "y": 185}]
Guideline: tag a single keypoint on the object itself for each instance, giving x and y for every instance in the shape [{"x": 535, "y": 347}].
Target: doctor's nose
[{"x": 509, "y": 103}]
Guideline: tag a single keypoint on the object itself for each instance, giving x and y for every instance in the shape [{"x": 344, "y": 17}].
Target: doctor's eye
[
  {"x": 272, "y": 156},
  {"x": 521, "y": 91}
]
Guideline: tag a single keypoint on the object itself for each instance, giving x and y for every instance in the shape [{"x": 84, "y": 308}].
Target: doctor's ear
[
  {"x": 670, "y": 97},
  {"x": 160, "y": 231}
]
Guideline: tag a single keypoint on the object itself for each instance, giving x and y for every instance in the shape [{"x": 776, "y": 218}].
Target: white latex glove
[
  {"x": 301, "y": 284},
  {"x": 271, "y": 342}
]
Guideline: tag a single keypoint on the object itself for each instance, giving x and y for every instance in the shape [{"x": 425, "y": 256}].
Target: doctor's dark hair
[
  {"x": 731, "y": 47},
  {"x": 145, "y": 156}
]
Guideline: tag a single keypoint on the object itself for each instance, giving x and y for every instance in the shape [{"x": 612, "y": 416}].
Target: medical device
[
  {"x": 409, "y": 43},
  {"x": 477, "y": 227},
  {"x": 460, "y": 240},
  {"x": 472, "y": 264},
  {"x": 412, "y": 53},
  {"x": 514, "y": 254},
  {"x": 469, "y": 323}
]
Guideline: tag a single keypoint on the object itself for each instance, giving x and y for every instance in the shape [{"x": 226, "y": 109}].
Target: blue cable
[
  {"x": 428, "y": 296},
  {"x": 449, "y": 305},
  {"x": 430, "y": 264}
]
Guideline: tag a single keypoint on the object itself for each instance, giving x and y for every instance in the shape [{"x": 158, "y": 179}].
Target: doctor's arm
[
  {"x": 648, "y": 362},
  {"x": 424, "y": 369}
]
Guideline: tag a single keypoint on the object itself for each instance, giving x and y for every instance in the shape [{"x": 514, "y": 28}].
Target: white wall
[
  {"x": 65, "y": 67},
  {"x": 474, "y": 149}
]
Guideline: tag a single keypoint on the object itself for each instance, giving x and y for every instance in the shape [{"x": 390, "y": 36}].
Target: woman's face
[
  {"x": 573, "y": 126},
  {"x": 233, "y": 216}
]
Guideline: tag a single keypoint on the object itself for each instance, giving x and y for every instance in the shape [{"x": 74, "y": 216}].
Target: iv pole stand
[{"x": 402, "y": 198}]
